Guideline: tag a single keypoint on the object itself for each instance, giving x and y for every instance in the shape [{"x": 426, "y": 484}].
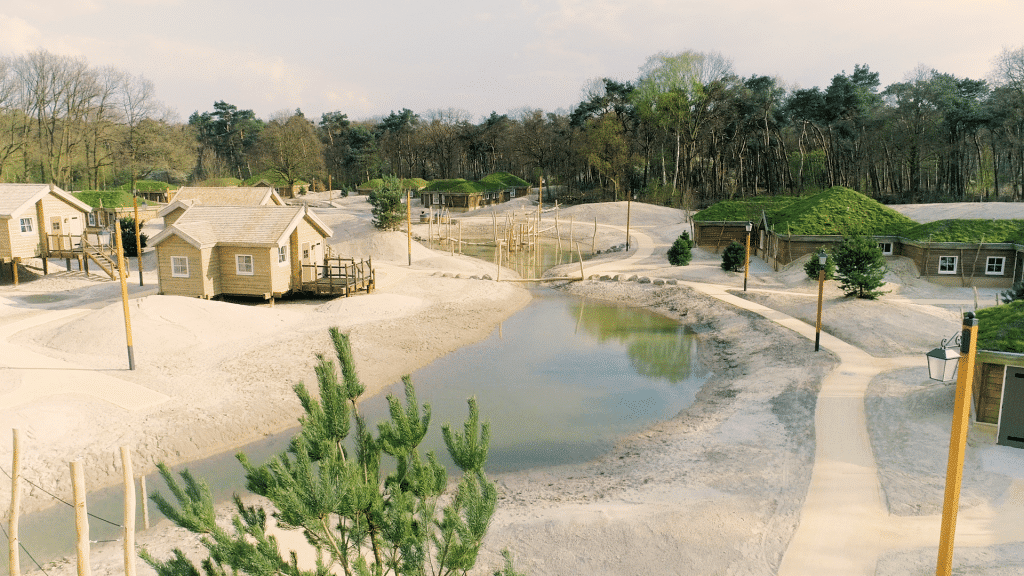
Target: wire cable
[
  {"x": 22, "y": 546},
  {"x": 59, "y": 499}
]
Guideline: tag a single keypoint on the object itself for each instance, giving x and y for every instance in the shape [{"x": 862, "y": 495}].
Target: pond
[{"x": 560, "y": 382}]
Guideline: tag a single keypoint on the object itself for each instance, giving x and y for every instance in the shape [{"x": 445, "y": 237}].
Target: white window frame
[
  {"x": 282, "y": 255},
  {"x": 27, "y": 225},
  {"x": 952, "y": 270},
  {"x": 176, "y": 264},
  {"x": 92, "y": 219},
  {"x": 242, "y": 268},
  {"x": 1000, "y": 260},
  {"x": 882, "y": 245}
]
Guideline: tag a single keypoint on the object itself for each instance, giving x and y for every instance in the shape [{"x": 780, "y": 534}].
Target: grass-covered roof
[
  {"x": 837, "y": 211},
  {"x": 110, "y": 198},
  {"x": 459, "y": 185},
  {"x": 1002, "y": 328},
  {"x": 407, "y": 184},
  {"x": 969, "y": 231},
  {"x": 505, "y": 179}
]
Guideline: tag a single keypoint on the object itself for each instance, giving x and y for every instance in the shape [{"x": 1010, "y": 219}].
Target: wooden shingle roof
[
  {"x": 230, "y": 196},
  {"x": 16, "y": 198},
  {"x": 205, "y": 226}
]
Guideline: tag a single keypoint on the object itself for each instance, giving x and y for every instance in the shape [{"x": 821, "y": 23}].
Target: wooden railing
[{"x": 343, "y": 276}]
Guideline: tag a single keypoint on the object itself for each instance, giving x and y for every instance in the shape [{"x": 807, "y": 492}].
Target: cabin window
[
  {"x": 92, "y": 219},
  {"x": 179, "y": 266},
  {"x": 947, "y": 264},
  {"x": 282, "y": 254},
  {"x": 55, "y": 224},
  {"x": 994, "y": 266},
  {"x": 243, "y": 265},
  {"x": 26, "y": 225},
  {"x": 886, "y": 248}
]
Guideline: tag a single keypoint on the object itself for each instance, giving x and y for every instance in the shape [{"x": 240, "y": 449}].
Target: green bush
[
  {"x": 811, "y": 267},
  {"x": 388, "y": 210},
  {"x": 128, "y": 244},
  {"x": 860, "y": 267},
  {"x": 734, "y": 257},
  {"x": 680, "y": 253},
  {"x": 1016, "y": 292}
]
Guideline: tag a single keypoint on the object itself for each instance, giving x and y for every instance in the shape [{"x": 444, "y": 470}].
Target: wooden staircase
[{"x": 108, "y": 264}]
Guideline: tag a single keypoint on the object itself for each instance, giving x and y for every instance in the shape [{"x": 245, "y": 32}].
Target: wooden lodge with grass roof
[
  {"x": 998, "y": 388},
  {"x": 254, "y": 251},
  {"x": 944, "y": 252}
]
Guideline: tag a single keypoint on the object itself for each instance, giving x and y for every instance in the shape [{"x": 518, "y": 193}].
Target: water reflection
[{"x": 658, "y": 347}]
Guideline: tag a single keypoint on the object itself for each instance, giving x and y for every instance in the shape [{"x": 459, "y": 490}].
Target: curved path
[{"x": 845, "y": 524}]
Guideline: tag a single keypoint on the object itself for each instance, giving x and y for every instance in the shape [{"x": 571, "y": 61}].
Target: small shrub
[
  {"x": 860, "y": 267},
  {"x": 680, "y": 253},
  {"x": 128, "y": 244},
  {"x": 811, "y": 267},
  {"x": 733, "y": 257},
  {"x": 1014, "y": 293}
]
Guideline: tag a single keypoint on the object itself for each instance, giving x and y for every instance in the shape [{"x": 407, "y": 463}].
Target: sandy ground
[{"x": 719, "y": 489}]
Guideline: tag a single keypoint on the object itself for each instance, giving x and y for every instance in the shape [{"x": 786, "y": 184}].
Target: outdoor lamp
[
  {"x": 943, "y": 361},
  {"x": 822, "y": 258},
  {"x": 750, "y": 225}
]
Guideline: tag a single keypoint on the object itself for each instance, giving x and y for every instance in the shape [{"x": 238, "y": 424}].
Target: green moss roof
[
  {"x": 1001, "y": 328},
  {"x": 407, "y": 184},
  {"x": 505, "y": 179},
  {"x": 969, "y": 231},
  {"x": 837, "y": 211},
  {"x": 110, "y": 198},
  {"x": 459, "y": 185}
]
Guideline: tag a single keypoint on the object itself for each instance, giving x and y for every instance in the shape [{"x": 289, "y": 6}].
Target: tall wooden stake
[
  {"x": 129, "y": 512},
  {"x": 408, "y": 222},
  {"x": 145, "y": 503},
  {"x": 138, "y": 237},
  {"x": 629, "y": 205},
  {"x": 12, "y": 524},
  {"x": 124, "y": 294},
  {"x": 593, "y": 243},
  {"x": 81, "y": 517}
]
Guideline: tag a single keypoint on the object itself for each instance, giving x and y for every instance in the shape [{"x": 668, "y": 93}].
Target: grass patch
[
  {"x": 969, "y": 231},
  {"x": 506, "y": 180},
  {"x": 218, "y": 183},
  {"x": 1002, "y": 327},
  {"x": 407, "y": 184},
  {"x": 743, "y": 210}
]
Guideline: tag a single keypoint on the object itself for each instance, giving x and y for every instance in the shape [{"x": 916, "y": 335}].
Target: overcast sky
[{"x": 370, "y": 57}]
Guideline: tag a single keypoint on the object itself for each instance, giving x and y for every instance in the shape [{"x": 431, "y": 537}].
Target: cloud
[{"x": 18, "y": 36}]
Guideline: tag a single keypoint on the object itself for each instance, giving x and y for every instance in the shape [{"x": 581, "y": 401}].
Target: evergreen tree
[
  {"x": 128, "y": 237},
  {"x": 1016, "y": 292},
  {"x": 733, "y": 257},
  {"x": 330, "y": 486},
  {"x": 388, "y": 210},
  {"x": 812, "y": 267},
  {"x": 860, "y": 267},
  {"x": 680, "y": 253}
]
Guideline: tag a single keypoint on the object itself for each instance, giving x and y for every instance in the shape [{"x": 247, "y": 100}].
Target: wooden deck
[{"x": 339, "y": 277}]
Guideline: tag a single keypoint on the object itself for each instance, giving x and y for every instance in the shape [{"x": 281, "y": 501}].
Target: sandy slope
[{"x": 717, "y": 490}]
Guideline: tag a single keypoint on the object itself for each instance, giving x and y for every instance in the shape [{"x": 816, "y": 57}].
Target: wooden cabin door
[
  {"x": 57, "y": 229},
  {"x": 308, "y": 270},
  {"x": 1011, "y": 412}
]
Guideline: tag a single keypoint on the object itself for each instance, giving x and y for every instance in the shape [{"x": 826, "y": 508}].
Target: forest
[{"x": 687, "y": 131}]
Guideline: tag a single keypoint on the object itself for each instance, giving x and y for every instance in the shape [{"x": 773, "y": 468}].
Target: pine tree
[
  {"x": 860, "y": 267},
  {"x": 733, "y": 257},
  {"x": 359, "y": 523},
  {"x": 680, "y": 253},
  {"x": 388, "y": 210}
]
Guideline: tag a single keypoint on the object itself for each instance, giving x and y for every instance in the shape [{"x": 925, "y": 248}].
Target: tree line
[{"x": 687, "y": 131}]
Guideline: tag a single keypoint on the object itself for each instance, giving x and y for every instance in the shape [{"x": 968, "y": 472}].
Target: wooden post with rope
[
  {"x": 14, "y": 558},
  {"x": 124, "y": 294},
  {"x": 138, "y": 238},
  {"x": 81, "y": 518},
  {"x": 129, "y": 512}
]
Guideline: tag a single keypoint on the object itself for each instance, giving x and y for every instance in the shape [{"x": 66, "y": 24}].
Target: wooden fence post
[
  {"x": 12, "y": 525},
  {"x": 129, "y": 512},
  {"x": 145, "y": 503},
  {"x": 81, "y": 517}
]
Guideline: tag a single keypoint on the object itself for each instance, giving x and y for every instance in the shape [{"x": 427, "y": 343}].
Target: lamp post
[
  {"x": 822, "y": 259},
  {"x": 941, "y": 366},
  {"x": 746, "y": 261}
]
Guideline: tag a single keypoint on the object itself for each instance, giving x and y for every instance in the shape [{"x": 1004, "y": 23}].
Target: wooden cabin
[
  {"x": 263, "y": 251},
  {"x": 218, "y": 196},
  {"x": 40, "y": 221},
  {"x": 999, "y": 395},
  {"x": 464, "y": 201}
]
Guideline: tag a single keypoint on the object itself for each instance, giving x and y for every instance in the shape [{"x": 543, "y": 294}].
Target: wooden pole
[
  {"x": 499, "y": 263},
  {"x": 558, "y": 233},
  {"x": 14, "y": 268},
  {"x": 408, "y": 222},
  {"x": 145, "y": 503},
  {"x": 460, "y": 236},
  {"x": 571, "y": 220},
  {"x": 593, "y": 245},
  {"x": 821, "y": 292},
  {"x": 746, "y": 263},
  {"x": 957, "y": 444},
  {"x": 124, "y": 294},
  {"x": 129, "y": 512},
  {"x": 14, "y": 558},
  {"x": 580, "y": 256},
  {"x": 629, "y": 205},
  {"x": 138, "y": 237},
  {"x": 494, "y": 223},
  {"x": 430, "y": 227},
  {"x": 81, "y": 517}
]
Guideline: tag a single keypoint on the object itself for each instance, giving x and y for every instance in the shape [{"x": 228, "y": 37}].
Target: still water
[{"x": 560, "y": 381}]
